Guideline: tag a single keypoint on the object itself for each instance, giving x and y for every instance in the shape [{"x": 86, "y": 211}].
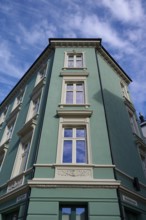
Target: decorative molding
[
  {"x": 21, "y": 197},
  {"x": 73, "y": 172},
  {"x": 15, "y": 183},
  {"x": 129, "y": 200},
  {"x": 75, "y": 113},
  {"x": 129, "y": 192},
  {"x": 75, "y": 42}
]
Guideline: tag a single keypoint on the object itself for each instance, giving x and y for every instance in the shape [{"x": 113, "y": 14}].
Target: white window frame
[
  {"x": 41, "y": 73},
  {"x": 33, "y": 111},
  {"x": 74, "y": 54},
  {"x": 7, "y": 136},
  {"x": 26, "y": 140},
  {"x": 74, "y": 80},
  {"x": 125, "y": 91},
  {"x": 74, "y": 123},
  {"x": 2, "y": 151},
  {"x": 133, "y": 123},
  {"x": 18, "y": 99},
  {"x": 3, "y": 115}
]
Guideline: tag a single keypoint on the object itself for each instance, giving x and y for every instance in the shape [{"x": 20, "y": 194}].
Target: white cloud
[
  {"x": 36, "y": 35},
  {"x": 7, "y": 64},
  {"x": 125, "y": 10}
]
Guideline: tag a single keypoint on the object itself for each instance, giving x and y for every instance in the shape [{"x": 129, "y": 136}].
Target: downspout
[{"x": 106, "y": 120}]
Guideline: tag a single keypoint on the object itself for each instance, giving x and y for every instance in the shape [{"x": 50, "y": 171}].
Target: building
[{"x": 70, "y": 144}]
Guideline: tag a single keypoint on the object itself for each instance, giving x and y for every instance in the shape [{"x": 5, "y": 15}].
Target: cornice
[{"x": 74, "y": 42}]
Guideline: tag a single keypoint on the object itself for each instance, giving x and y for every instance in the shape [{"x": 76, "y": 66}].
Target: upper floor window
[
  {"x": 22, "y": 156},
  {"x": 18, "y": 99},
  {"x": 41, "y": 74},
  {"x": 134, "y": 124},
  {"x": 34, "y": 105},
  {"x": 125, "y": 91},
  {"x": 2, "y": 155},
  {"x": 8, "y": 130},
  {"x": 74, "y": 93},
  {"x": 3, "y": 116},
  {"x": 74, "y": 60}
]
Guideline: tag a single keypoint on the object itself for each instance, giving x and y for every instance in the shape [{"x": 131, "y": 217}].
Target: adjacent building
[{"x": 70, "y": 144}]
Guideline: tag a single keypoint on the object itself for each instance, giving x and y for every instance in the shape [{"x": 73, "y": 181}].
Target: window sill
[
  {"x": 74, "y": 105},
  {"x": 39, "y": 85},
  {"x": 14, "y": 112},
  {"x": 84, "y": 73},
  {"x": 75, "y": 113},
  {"x": 74, "y": 68},
  {"x": 29, "y": 126}
]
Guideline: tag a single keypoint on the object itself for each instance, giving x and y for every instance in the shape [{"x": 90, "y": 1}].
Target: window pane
[
  {"x": 79, "y": 98},
  {"x": 68, "y": 132},
  {"x": 79, "y": 63},
  {"x": 80, "y": 132},
  {"x": 69, "y": 87},
  {"x": 66, "y": 213},
  {"x": 79, "y": 87},
  {"x": 81, "y": 152},
  {"x": 70, "y": 61},
  {"x": 80, "y": 213},
  {"x": 69, "y": 97},
  {"x": 67, "y": 151}
]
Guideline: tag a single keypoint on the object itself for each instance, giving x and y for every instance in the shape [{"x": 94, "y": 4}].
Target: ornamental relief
[{"x": 78, "y": 173}]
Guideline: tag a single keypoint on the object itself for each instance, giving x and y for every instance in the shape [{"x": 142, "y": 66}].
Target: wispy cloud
[{"x": 125, "y": 10}]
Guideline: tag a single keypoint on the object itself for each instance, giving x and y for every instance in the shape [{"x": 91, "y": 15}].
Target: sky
[{"x": 26, "y": 26}]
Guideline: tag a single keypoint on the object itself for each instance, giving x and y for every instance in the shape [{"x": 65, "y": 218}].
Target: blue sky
[{"x": 26, "y": 25}]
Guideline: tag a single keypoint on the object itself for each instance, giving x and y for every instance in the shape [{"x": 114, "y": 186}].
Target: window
[
  {"x": 74, "y": 145},
  {"x": 3, "y": 116},
  {"x": 74, "y": 93},
  {"x": 2, "y": 155},
  {"x": 18, "y": 99},
  {"x": 134, "y": 124},
  {"x": 125, "y": 91},
  {"x": 72, "y": 212},
  {"x": 8, "y": 131},
  {"x": 34, "y": 105},
  {"x": 143, "y": 160},
  {"x": 41, "y": 74},
  {"x": 22, "y": 157},
  {"x": 74, "y": 60},
  {"x": 73, "y": 139},
  {"x": 11, "y": 216}
]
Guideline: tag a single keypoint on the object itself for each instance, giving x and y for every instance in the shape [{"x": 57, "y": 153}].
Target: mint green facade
[{"x": 112, "y": 184}]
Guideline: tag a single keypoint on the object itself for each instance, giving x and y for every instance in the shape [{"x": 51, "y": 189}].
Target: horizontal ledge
[
  {"x": 74, "y": 74},
  {"x": 54, "y": 182},
  {"x": 73, "y": 105},
  {"x": 77, "y": 113},
  {"x": 76, "y": 165}
]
